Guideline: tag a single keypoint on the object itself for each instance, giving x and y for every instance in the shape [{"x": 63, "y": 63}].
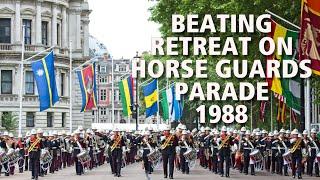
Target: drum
[
  {"x": 45, "y": 157},
  {"x": 139, "y": 155},
  {"x": 83, "y": 157},
  {"x": 256, "y": 155},
  {"x": 190, "y": 155},
  {"x": 318, "y": 157},
  {"x": 287, "y": 156},
  {"x": 3, "y": 157},
  {"x": 154, "y": 156}
]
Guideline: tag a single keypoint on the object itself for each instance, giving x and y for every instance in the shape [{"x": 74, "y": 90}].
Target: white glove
[
  {"x": 112, "y": 137},
  {"x": 162, "y": 138}
]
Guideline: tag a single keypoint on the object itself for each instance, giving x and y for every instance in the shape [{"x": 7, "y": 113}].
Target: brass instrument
[
  {"x": 295, "y": 146},
  {"x": 116, "y": 143},
  {"x": 165, "y": 144}
]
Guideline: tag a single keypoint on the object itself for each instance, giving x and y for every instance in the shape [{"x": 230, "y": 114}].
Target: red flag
[
  {"x": 262, "y": 110},
  {"x": 309, "y": 40},
  {"x": 87, "y": 81},
  {"x": 293, "y": 116}
]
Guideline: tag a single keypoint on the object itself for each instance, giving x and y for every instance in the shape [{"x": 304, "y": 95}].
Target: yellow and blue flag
[
  {"x": 44, "y": 74},
  {"x": 150, "y": 93},
  {"x": 126, "y": 94}
]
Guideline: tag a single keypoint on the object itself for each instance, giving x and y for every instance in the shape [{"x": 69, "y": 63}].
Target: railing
[
  {"x": 5, "y": 47},
  {"x": 30, "y": 47}
]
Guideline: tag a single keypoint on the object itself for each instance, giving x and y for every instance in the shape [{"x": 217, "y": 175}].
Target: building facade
[{"x": 47, "y": 23}]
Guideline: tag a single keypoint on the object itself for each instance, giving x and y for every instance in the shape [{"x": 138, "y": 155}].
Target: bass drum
[
  {"x": 190, "y": 155},
  {"x": 83, "y": 157}
]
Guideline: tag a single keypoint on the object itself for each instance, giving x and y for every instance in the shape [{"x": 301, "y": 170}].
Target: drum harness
[
  {"x": 315, "y": 146},
  {"x": 223, "y": 142}
]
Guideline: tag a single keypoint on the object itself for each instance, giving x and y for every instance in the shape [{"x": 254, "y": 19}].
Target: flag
[
  {"x": 44, "y": 74},
  {"x": 283, "y": 113},
  {"x": 309, "y": 41},
  {"x": 262, "y": 110},
  {"x": 126, "y": 94},
  {"x": 293, "y": 116},
  {"x": 166, "y": 103},
  {"x": 150, "y": 93},
  {"x": 278, "y": 31},
  {"x": 87, "y": 81},
  {"x": 176, "y": 111}
]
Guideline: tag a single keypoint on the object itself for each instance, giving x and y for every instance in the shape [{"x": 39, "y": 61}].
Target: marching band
[{"x": 279, "y": 152}]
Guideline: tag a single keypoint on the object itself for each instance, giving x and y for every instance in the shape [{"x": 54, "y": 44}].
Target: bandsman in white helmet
[
  {"x": 117, "y": 147},
  {"x": 314, "y": 153},
  {"x": 168, "y": 145},
  {"x": 34, "y": 151},
  {"x": 296, "y": 149}
]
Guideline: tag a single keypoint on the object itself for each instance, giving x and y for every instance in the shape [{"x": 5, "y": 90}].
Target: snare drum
[
  {"x": 318, "y": 157},
  {"x": 256, "y": 155},
  {"x": 287, "y": 156}
]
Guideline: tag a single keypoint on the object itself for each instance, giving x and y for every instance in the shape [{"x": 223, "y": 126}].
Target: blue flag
[
  {"x": 151, "y": 98},
  {"x": 44, "y": 75},
  {"x": 176, "y": 111}
]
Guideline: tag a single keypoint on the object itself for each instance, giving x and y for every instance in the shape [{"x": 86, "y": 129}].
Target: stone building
[{"x": 47, "y": 23}]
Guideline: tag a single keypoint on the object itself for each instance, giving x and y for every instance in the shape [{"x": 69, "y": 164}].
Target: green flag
[
  {"x": 165, "y": 105},
  {"x": 291, "y": 86}
]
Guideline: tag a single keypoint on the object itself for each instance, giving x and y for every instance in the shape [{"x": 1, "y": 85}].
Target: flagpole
[
  {"x": 167, "y": 86},
  {"x": 112, "y": 92},
  {"x": 271, "y": 119},
  {"x": 279, "y": 17},
  {"x": 158, "y": 115},
  {"x": 290, "y": 119},
  {"x": 307, "y": 109},
  {"x": 21, "y": 81},
  {"x": 70, "y": 87},
  {"x": 251, "y": 114}
]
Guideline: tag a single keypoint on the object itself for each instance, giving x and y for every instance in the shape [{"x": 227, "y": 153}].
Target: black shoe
[
  {"x": 299, "y": 177},
  {"x": 119, "y": 175},
  {"x": 227, "y": 175},
  {"x": 32, "y": 177},
  {"x": 293, "y": 176},
  {"x": 165, "y": 176},
  {"x": 187, "y": 172},
  {"x": 171, "y": 177}
]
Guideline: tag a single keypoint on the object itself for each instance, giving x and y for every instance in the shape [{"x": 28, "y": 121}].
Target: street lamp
[{"x": 135, "y": 107}]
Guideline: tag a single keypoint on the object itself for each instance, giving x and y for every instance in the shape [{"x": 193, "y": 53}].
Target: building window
[
  {"x": 58, "y": 35},
  {"x": 103, "y": 69},
  {"x": 27, "y": 31},
  {"x": 6, "y": 82},
  {"x": 62, "y": 80},
  {"x": 63, "y": 119},
  {"x": 103, "y": 94},
  {"x": 122, "y": 68},
  {"x": 44, "y": 31},
  {"x": 5, "y": 30},
  {"x": 49, "y": 119},
  {"x": 29, "y": 87},
  {"x": 30, "y": 119},
  {"x": 103, "y": 111}
]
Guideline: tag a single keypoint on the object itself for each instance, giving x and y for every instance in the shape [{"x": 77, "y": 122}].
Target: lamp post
[{"x": 135, "y": 108}]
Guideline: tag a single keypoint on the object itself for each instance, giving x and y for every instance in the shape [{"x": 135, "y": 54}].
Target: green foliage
[
  {"x": 9, "y": 121},
  {"x": 163, "y": 10}
]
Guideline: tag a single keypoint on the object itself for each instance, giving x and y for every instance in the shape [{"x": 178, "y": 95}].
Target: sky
[{"x": 123, "y": 26}]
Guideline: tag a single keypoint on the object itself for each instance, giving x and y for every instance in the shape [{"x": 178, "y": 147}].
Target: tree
[
  {"x": 162, "y": 12},
  {"x": 9, "y": 121}
]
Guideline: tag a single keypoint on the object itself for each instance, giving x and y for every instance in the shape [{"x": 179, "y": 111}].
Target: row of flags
[
  {"x": 307, "y": 46},
  {"x": 44, "y": 74},
  {"x": 170, "y": 106}
]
